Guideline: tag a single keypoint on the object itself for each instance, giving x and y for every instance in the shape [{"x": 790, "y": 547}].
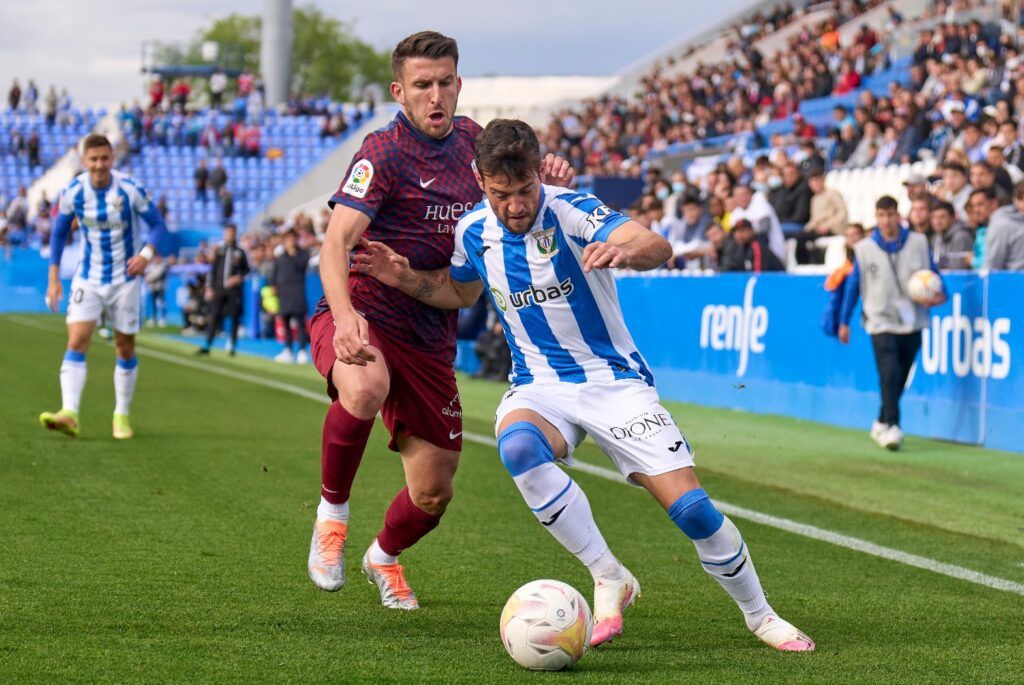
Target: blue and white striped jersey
[
  {"x": 109, "y": 221},
  {"x": 562, "y": 325}
]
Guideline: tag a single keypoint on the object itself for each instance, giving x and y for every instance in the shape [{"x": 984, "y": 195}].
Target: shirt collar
[
  {"x": 422, "y": 137},
  {"x": 891, "y": 246}
]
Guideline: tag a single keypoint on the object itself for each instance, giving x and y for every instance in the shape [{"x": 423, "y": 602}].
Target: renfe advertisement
[{"x": 754, "y": 343}]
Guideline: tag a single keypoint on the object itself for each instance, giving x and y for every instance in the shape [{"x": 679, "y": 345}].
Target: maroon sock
[
  {"x": 342, "y": 449},
  {"x": 404, "y": 524}
]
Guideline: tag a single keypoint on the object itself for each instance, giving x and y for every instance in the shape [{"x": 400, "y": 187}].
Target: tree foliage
[{"x": 327, "y": 56}]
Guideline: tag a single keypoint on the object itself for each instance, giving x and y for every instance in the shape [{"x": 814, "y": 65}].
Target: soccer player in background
[
  {"x": 544, "y": 255},
  {"x": 108, "y": 205},
  {"x": 380, "y": 349}
]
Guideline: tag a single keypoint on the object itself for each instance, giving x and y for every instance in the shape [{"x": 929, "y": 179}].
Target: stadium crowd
[
  {"x": 960, "y": 106},
  {"x": 613, "y": 135}
]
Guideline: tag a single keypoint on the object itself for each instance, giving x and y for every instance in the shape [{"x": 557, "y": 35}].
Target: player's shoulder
[
  {"x": 388, "y": 135},
  {"x": 567, "y": 199},
  {"x": 381, "y": 145},
  {"x": 465, "y": 126},
  {"x": 129, "y": 184},
  {"x": 76, "y": 185}
]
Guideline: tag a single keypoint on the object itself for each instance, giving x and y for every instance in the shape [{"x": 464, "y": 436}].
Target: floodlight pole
[{"x": 276, "y": 50}]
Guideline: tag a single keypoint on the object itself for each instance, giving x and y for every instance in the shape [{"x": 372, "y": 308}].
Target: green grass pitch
[{"x": 179, "y": 556}]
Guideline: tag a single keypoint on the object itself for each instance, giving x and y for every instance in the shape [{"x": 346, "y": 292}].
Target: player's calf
[
  {"x": 562, "y": 508},
  {"x": 725, "y": 557}
]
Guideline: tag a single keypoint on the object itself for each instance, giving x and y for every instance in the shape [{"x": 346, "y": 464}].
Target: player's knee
[
  {"x": 696, "y": 515},
  {"x": 125, "y": 347},
  {"x": 78, "y": 345},
  {"x": 523, "y": 447},
  {"x": 362, "y": 397},
  {"x": 433, "y": 500}
]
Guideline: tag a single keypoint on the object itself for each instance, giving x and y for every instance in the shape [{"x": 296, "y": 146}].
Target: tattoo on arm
[{"x": 426, "y": 287}]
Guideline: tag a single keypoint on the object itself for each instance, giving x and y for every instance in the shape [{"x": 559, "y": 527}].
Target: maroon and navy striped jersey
[{"x": 414, "y": 189}]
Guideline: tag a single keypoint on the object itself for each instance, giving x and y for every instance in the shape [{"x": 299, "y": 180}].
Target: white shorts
[
  {"x": 625, "y": 418},
  {"x": 122, "y": 303}
]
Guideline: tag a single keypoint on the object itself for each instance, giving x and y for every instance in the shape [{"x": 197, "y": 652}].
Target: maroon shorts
[{"x": 423, "y": 399}]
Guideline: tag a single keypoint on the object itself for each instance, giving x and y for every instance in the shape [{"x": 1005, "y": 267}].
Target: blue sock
[{"x": 722, "y": 552}]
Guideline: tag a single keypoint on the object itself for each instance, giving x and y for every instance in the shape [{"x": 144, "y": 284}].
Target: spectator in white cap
[{"x": 917, "y": 187}]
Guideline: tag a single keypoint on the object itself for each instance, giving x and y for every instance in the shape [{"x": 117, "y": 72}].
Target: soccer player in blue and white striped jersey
[
  {"x": 109, "y": 207},
  {"x": 544, "y": 254}
]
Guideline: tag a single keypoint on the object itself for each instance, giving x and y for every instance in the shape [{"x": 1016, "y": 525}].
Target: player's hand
[
  {"x": 208, "y": 293},
  {"x": 54, "y": 294},
  {"x": 844, "y": 334},
  {"x": 556, "y": 171},
  {"x": 381, "y": 262},
  {"x": 137, "y": 265},
  {"x": 936, "y": 301},
  {"x": 352, "y": 339},
  {"x": 604, "y": 256}
]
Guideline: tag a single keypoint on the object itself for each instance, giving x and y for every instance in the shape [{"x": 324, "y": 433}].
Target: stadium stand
[
  {"x": 17, "y": 128},
  {"x": 288, "y": 144}
]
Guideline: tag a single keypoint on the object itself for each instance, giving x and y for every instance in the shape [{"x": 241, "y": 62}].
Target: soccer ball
[
  {"x": 924, "y": 286},
  {"x": 546, "y": 625}
]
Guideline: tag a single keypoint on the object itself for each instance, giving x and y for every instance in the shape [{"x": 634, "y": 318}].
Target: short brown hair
[
  {"x": 508, "y": 147},
  {"x": 95, "y": 140},
  {"x": 886, "y": 203},
  {"x": 429, "y": 44}
]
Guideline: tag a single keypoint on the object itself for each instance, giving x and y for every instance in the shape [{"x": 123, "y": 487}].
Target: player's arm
[
  {"x": 629, "y": 246},
  {"x": 157, "y": 230},
  {"x": 58, "y": 239},
  {"x": 436, "y": 288},
  {"x": 352, "y": 334}
]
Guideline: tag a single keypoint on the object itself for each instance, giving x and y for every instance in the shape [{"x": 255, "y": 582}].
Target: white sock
[
  {"x": 562, "y": 507},
  {"x": 334, "y": 512},
  {"x": 126, "y": 371},
  {"x": 726, "y": 558},
  {"x": 379, "y": 556},
  {"x": 72, "y": 380}
]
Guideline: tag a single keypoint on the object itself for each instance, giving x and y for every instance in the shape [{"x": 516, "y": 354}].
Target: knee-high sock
[
  {"x": 126, "y": 371},
  {"x": 556, "y": 500},
  {"x": 722, "y": 552},
  {"x": 405, "y": 524},
  {"x": 72, "y": 380},
  {"x": 342, "y": 446}
]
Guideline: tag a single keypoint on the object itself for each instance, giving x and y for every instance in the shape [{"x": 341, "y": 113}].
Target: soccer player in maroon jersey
[{"x": 380, "y": 349}]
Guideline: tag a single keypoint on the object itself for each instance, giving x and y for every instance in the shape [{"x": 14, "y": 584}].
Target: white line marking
[{"x": 788, "y": 525}]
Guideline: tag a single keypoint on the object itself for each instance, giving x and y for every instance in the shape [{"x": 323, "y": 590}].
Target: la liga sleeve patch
[{"x": 359, "y": 180}]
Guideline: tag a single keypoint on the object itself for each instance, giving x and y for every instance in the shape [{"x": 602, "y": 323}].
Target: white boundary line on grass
[{"x": 788, "y": 525}]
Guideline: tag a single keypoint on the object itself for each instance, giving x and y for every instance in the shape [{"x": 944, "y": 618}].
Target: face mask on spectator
[
  {"x": 761, "y": 186},
  {"x": 661, "y": 193},
  {"x": 774, "y": 181},
  {"x": 678, "y": 187}
]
